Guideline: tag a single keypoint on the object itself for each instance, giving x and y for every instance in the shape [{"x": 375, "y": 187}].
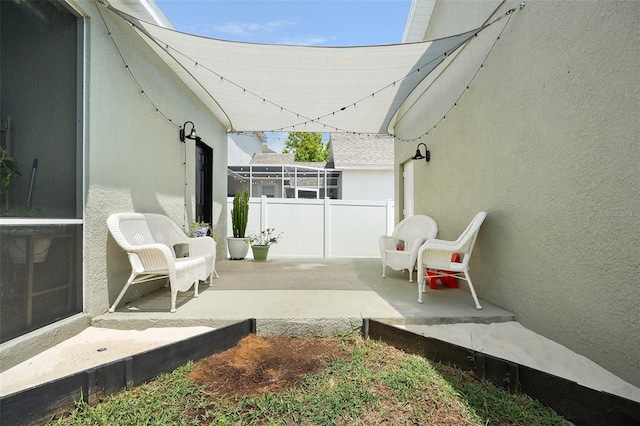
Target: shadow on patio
[{"x": 302, "y": 296}]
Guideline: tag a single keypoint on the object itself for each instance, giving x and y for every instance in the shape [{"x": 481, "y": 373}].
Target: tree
[{"x": 306, "y": 147}]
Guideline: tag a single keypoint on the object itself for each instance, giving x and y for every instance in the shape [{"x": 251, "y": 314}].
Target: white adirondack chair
[
  {"x": 410, "y": 233},
  {"x": 436, "y": 255},
  {"x": 150, "y": 241}
]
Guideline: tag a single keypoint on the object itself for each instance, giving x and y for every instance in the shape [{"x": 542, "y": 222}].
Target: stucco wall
[
  {"x": 546, "y": 141},
  {"x": 134, "y": 160},
  {"x": 242, "y": 147}
]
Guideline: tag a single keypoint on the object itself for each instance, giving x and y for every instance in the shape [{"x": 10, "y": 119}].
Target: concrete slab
[{"x": 300, "y": 296}]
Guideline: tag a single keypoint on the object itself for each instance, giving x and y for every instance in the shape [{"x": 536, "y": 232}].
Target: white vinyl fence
[{"x": 320, "y": 228}]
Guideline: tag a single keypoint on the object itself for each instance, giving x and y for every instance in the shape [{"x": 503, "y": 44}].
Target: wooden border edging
[
  {"x": 39, "y": 403},
  {"x": 578, "y": 404}
]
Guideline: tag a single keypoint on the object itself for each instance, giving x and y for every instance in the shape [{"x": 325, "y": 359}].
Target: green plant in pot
[
  {"x": 261, "y": 242},
  {"x": 9, "y": 169},
  {"x": 17, "y": 239},
  {"x": 238, "y": 245},
  {"x": 199, "y": 229}
]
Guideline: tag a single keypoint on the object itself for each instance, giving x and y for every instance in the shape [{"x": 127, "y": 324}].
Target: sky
[{"x": 299, "y": 22}]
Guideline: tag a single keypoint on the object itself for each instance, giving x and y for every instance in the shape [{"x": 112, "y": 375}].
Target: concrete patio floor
[{"x": 301, "y": 296}]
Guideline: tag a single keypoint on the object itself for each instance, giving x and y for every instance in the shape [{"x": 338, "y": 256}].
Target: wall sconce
[
  {"x": 419, "y": 156},
  {"x": 192, "y": 133}
]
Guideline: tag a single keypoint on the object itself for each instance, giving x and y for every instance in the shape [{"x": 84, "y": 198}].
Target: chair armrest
[
  {"x": 152, "y": 257},
  {"x": 417, "y": 244},
  {"x": 201, "y": 246},
  {"x": 436, "y": 254},
  {"x": 436, "y": 244}
]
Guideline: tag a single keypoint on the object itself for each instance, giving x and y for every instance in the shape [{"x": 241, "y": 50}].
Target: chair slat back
[
  {"x": 135, "y": 231},
  {"x": 469, "y": 236},
  {"x": 164, "y": 230}
]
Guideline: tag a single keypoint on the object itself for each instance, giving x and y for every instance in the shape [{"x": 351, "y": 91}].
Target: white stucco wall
[
  {"x": 241, "y": 148},
  {"x": 134, "y": 160},
  {"x": 376, "y": 185},
  {"x": 546, "y": 141}
]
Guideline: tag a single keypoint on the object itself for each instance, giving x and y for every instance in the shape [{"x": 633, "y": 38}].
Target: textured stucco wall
[
  {"x": 134, "y": 160},
  {"x": 546, "y": 141}
]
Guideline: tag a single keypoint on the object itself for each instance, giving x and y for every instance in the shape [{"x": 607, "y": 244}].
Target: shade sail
[{"x": 262, "y": 87}]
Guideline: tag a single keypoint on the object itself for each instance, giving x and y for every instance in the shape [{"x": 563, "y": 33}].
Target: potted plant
[
  {"x": 17, "y": 241},
  {"x": 261, "y": 242},
  {"x": 199, "y": 229},
  {"x": 9, "y": 169},
  {"x": 238, "y": 245}
]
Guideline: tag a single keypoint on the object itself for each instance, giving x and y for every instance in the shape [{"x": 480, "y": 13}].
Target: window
[
  {"x": 41, "y": 211},
  {"x": 269, "y": 191}
]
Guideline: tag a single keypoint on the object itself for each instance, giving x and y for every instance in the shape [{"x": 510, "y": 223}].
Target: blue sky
[{"x": 301, "y": 22}]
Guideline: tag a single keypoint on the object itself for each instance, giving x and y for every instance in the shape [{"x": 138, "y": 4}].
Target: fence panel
[
  {"x": 320, "y": 228},
  {"x": 355, "y": 227}
]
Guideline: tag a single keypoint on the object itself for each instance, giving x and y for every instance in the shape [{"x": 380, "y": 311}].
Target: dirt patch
[{"x": 256, "y": 365}]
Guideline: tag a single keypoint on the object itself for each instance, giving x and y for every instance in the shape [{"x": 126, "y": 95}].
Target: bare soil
[{"x": 257, "y": 365}]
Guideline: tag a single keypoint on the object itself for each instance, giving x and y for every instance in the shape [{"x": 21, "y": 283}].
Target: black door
[{"x": 204, "y": 182}]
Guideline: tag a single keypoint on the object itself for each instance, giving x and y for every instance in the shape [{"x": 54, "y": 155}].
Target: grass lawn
[{"x": 341, "y": 382}]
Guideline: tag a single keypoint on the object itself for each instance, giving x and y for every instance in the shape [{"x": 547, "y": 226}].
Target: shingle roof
[
  {"x": 259, "y": 158},
  {"x": 315, "y": 164},
  {"x": 349, "y": 150}
]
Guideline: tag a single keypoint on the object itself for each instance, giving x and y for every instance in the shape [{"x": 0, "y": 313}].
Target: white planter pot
[
  {"x": 238, "y": 247},
  {"x": 18, "y": 249}
]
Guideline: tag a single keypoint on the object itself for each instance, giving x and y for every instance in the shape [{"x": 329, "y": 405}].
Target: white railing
[{"x": 320, "y": 228}]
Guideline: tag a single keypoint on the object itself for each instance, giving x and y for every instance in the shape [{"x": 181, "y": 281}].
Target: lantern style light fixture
[
  {"x": 419, "y": 156},
  {"x": 192, "y": 133}
]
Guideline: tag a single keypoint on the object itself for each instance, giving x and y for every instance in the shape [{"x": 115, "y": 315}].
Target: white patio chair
[
  {"x": 150, "y": 241},
  {"x": 411, "y": 233},
  {"x": 436, "y": 255}
]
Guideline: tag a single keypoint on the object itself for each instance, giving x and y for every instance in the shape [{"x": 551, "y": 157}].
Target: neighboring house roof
[
  {"x": 260, "y": 158},
  {"x": 418, "y": 20},
  {"x": 349, "y": 151},
  {"x": 147, "y": 10},
  {"x": 316, "y": 164}
]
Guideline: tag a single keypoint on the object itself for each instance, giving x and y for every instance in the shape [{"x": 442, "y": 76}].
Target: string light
[
  {"x": 299, "y": 116},
  {"x": 126, "y": 66},
  {"x": 363, "y": 136},
  {"x": 304, "y": 119}
]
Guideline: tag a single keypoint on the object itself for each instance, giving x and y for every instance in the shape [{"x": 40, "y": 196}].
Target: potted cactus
[{"x": 238, "y": 245}]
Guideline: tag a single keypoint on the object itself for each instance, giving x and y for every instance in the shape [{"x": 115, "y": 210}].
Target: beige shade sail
[{"x": 264, "y": 87}]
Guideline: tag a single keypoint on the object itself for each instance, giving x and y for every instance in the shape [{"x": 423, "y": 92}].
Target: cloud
[{"x": 249, "y": 28}]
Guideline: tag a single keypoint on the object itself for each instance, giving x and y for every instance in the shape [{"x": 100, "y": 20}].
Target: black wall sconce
[
  {"x": 419, "y": 156},
  {"x": 192, "y": 133}
]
